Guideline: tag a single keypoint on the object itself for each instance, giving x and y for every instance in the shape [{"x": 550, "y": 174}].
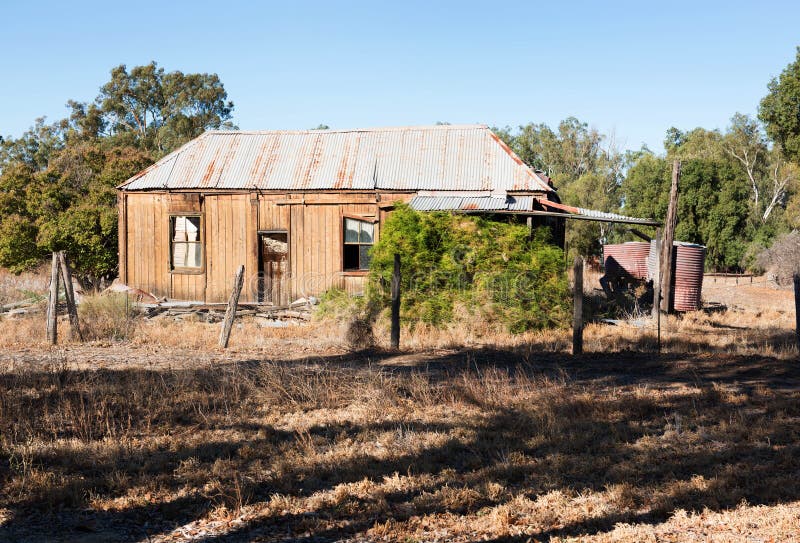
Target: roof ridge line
[{"x": 348, "y": 130}]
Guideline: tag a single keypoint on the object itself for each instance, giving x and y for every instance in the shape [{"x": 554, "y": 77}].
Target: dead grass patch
[{"x": 468, "y": 446}]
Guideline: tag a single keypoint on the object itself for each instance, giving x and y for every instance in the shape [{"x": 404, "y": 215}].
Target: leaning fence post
[
  {"x": 52, "y": 303},
  {"x": 577, "y": 306},
  {"x": 230, "y": 313},
  {"x": 395, "y": 333},
  {"x": 69, "y": 295},
  {"x": 667, "y": 248},
  {"x": 796, "y": 280}
]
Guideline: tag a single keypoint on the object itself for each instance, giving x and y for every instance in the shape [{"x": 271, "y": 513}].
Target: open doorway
[{"x": 273, "y": 264}]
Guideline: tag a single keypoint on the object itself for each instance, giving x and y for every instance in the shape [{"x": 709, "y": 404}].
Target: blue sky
[{"x": 631, "y": 68}]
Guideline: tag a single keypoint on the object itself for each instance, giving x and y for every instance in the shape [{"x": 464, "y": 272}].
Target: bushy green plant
[
  {"x": 337, "y": 304},
  {"x": 493, "y": 267}
]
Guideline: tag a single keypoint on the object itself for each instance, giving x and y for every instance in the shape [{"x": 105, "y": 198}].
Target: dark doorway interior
[{"x": 274, "y": 266}]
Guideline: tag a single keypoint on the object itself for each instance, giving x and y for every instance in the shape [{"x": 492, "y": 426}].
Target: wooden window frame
[
  {"x": 187, "y": 271},
  {"x": 361, "y": 218}
]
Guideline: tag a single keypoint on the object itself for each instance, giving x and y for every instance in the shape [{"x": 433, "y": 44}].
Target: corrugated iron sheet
[
  {"x": 689, "y": 260},
  {"x": 626, "y": 259},
  {"x": 451, "y": 158},
  {"x": 613, "y": 217},
  {"x": 520, "y": 203},
  {"x": 515, "y": 204},
  {"x": 436, "y": 203},
  {"x": 470, "y": 203}
]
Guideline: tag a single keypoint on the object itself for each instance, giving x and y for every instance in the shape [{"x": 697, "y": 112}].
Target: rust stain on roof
[
  {"x": 255, "y": 170},
  {"x": 443, "y": 158},
  {"x": 507, "y": 149},
  {"x": 209, "y": 174},
  {"x": 342, "y": 173},
  {"x": 562, "y": 207}
]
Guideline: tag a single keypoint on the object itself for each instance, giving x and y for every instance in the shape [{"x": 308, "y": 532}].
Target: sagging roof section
[
  {"x": 449, "y": 157},
  {"x": 523, "y": 205}
]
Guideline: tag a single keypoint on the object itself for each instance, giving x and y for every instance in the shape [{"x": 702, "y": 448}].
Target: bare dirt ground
[{"x": 292, "y": 436}]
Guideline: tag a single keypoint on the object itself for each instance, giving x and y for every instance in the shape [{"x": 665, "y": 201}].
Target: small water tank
[
  {"x": 688, "y": 261},
  {"x": 626, "y": 259}
]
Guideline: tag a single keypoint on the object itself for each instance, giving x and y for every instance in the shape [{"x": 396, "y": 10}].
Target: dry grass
[
  {"x": 14, "y": 288},
  {"x": 150, "y": 433},
  {"x": 465, "y": 446},
  {"x": 733, "y": 331}
]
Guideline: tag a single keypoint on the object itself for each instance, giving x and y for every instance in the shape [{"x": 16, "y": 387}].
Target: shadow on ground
[{"x": 610, "y": 421}]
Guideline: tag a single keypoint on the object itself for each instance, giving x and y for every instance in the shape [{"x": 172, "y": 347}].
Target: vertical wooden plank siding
[
  {"x": 230, "y": 232},
  {"x": 122, "y": 239},
  {"x": 295, "y": 250},
  {"x": 250, "y": 293},
  {"x": 141, "y": 243},
  {"x": 212, "y": 246},
  {"x": 166, "y": 249},
  {"x": 135, "y": 225},
  {"x": 227, "y": 220}
]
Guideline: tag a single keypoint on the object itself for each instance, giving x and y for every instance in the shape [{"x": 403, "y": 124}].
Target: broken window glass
[{"x": 187, "y": 248}]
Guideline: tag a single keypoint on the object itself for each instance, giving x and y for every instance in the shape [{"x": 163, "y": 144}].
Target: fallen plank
[{"x": 15, "y": 305}]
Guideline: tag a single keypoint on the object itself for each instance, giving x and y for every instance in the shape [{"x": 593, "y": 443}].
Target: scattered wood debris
[
  {"x": 268, "y": 315},
  {"x": 20, "y": 308}
]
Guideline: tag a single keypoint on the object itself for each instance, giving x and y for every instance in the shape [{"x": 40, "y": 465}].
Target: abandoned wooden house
[{"x": 301, "y": 209}]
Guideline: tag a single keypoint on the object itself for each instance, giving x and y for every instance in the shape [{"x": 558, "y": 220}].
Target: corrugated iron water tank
[
  {"x": 688, "y": 261},
  {"x": 623, "y": 259}
]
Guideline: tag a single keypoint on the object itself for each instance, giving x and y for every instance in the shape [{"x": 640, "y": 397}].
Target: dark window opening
[{"x": 358, "y": 240}]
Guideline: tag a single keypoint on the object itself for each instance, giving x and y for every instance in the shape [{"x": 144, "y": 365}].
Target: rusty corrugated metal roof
[
  {"x": 614, "y": 217},
  {"x": 523, "y": 205},
  {"x": 448, "y": 158}
]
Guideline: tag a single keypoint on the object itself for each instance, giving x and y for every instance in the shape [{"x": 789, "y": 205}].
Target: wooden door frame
[{"x": 259, "y": 236}]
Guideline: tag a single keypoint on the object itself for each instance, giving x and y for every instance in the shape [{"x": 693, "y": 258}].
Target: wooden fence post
[
  {"x": 657, "y": 274},
  {"x": 657, "y": 290},
  {"x": 69, "y": 294},
  {"x": 395, "y": 332},
  {"x": 52, "y": 303},
  {"x": 796, "y": 280},
  {"x": 577, "y": 306},
  {"x": 669, "y": 238},
  {"x": 230, "y": 313}
]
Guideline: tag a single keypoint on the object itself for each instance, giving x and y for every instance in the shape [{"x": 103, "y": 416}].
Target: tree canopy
[
  {"x": 154, "y": 109},
  {"x": 585, "y": 165},
  {"x": 780, "y": 110},
  {"x": 57, "y": 181},
  {"x": 740, "y": 187}
]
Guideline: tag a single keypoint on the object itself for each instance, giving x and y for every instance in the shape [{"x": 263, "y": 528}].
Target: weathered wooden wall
[
  {"x": 227, "y": 220},
  {"x": 230, "y": 226}
]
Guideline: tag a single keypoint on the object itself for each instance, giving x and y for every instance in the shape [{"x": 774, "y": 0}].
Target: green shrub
[
  {"x": 337, "y": 304},
  {"x": 492, "y": 267}
]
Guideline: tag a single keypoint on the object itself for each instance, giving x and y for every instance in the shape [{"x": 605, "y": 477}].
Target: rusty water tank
[
  {"x": 688, "y": 261},
  {"x": 629, "y": 258}
]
